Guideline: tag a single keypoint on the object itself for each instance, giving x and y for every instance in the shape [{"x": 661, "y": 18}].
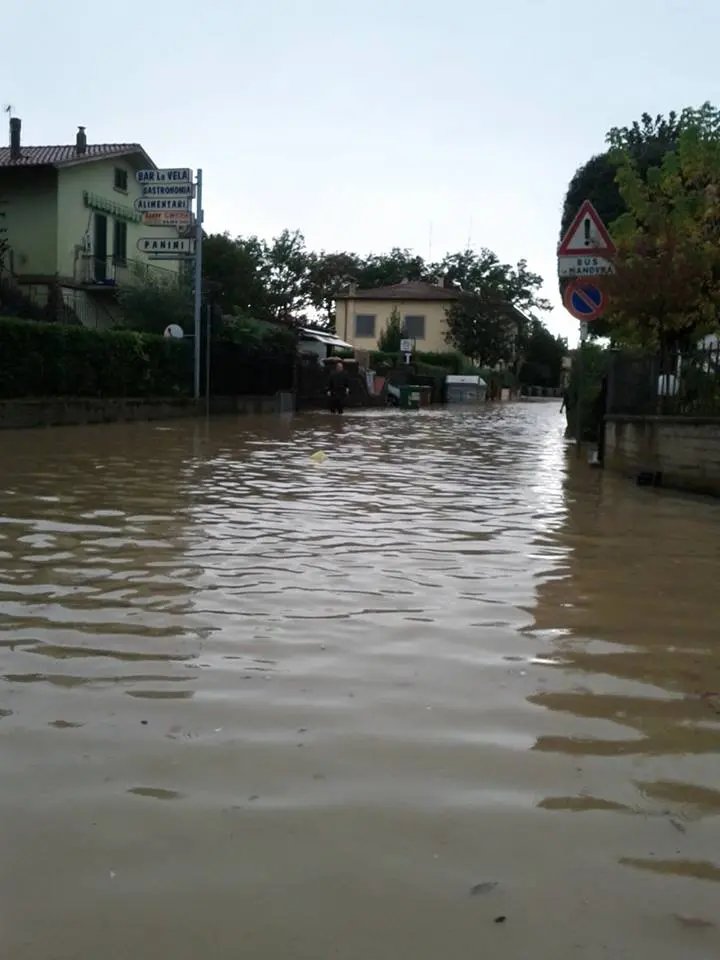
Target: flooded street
[{"x": 448, "y": 694}]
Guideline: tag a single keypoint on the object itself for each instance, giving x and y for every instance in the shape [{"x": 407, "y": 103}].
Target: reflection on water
[{"x": 447, "y": 660}]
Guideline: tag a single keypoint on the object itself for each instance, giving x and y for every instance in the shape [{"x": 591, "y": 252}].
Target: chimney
[
  {"x": 15, "y": 127},
  {"x": 81, "y": 141}
]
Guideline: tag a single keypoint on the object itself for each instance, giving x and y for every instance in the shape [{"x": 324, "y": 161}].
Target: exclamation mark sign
[{"x": 586, "y": 224}]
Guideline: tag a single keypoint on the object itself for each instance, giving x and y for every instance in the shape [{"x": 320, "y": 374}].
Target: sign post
[
  {"x": 585, "y": 253},
  {"x": 166, "y": 201},
  {"x": 198, "y": 280}
]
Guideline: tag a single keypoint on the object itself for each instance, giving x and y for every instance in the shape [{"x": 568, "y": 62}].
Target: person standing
[{"x": 338, "y": 388}]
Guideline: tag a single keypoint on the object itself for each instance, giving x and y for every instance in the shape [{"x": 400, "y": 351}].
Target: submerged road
[{"x": 447, "y": 694}]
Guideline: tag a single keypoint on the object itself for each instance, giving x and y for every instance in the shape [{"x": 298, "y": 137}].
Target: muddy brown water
[{"x": 253, "y": 706}]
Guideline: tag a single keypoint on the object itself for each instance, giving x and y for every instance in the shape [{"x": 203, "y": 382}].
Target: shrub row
[{"x": 45, "y": 359}]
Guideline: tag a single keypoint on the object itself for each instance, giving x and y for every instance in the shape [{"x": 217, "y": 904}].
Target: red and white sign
[
  {"x": 584, "y": 300},
  {"x": 587, "y": 236}
]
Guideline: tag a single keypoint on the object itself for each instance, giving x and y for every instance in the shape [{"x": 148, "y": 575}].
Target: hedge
[
  {"x": 452, "y": 363},
  {"x": 46, "y": 360}
]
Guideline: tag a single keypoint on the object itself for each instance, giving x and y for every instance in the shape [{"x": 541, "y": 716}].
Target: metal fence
[{"x": 673, "y": 384}]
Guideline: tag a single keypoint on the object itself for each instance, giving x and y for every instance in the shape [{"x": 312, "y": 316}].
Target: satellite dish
[{"x": 174, "y": 331}]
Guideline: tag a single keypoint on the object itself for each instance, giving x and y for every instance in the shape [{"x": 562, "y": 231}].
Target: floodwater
[{"x": 447, "y": 694}]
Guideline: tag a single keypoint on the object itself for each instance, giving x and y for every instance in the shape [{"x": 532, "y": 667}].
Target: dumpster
[
  {"x": 467, "y": 389},
  {"x": 412, "y": 396}
]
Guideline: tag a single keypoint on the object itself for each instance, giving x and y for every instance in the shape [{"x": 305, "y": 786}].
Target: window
[
  {"x": 119, "y": 241},
  {"x": 365, "y": 325},
  {"x": 121, "y": 179},
  {"x": 414, "y": 327}
]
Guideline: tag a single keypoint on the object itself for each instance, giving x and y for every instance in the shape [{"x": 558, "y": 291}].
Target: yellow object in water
[{"x": 319, "y": 457}]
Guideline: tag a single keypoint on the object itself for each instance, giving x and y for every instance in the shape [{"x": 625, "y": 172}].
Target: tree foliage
[
  {"x": 666, "y": 289},
  {"x": 390, "y": 337},
  {"x": 150, "y": 304},
  {"x": 647, "y": 141},
  {"x": 491, "y": 318},
  {"x": 542, "y": 356}
]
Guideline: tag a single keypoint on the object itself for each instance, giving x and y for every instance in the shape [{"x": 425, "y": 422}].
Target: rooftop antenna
[
  {"x": 430, "y": 241},
  {"x": 469, "y": 239}
]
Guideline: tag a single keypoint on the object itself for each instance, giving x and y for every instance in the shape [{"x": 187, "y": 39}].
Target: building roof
[
  {"x": 65, "y": 155},
  {"x": 410, "y": 290}
]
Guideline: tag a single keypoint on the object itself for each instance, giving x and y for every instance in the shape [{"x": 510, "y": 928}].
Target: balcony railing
[{"x": 110, "y": 272}]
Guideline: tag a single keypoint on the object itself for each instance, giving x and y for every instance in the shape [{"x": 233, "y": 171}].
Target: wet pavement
[{"x": 447, "y": 693}]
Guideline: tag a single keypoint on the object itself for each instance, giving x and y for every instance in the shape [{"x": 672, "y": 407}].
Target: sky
[{"x": 366, "y": 125}]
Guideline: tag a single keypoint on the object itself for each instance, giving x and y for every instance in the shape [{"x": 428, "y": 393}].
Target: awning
[{"x": 306, "y": 333}]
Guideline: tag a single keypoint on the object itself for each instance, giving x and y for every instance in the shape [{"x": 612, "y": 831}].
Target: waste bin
[{"x": 413, "y": 396}]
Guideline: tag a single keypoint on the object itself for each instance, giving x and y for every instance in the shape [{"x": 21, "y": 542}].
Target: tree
[
  {"x": 666, "y": 289},
  {"x": 390, "y": 337},
  {"x": 149, "y": 304},
  {"x": 483, "y": 328},
  {"x": 647, "y": 140},
  {"x": 4, "y": 242},
  {"x": 235, "y": 270},
  {"x": 330, "y": 273},
  {"x": 542, "y": 356},
  {"x": 490, "y": 318}
]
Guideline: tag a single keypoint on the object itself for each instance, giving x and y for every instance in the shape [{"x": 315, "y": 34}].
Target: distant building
[
  {"x": 362, "y": 315},
  {"x": 72, "y": 229}
]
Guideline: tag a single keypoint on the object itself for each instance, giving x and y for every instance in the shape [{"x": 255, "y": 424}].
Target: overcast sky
[{"x": 365, "y": 125}]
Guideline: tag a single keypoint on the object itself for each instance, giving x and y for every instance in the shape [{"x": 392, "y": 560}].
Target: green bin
[{"x": 410, "y": 396}]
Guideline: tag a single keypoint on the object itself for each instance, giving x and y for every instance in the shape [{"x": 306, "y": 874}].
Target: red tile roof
[
  {"x": 66, "y": 154},
  {"x": 412, "y": 290}
]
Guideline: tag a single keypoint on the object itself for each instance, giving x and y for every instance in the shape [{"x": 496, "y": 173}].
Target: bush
[
  {"x": 46, "y": 360},
  {"x": 453, "y": 363},
  {"x": 594, "y": 366}
]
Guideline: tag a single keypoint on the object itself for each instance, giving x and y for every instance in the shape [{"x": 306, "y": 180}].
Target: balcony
[{"x": 108, "y": 273}]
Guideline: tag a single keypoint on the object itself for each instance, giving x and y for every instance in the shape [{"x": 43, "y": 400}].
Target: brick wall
[{"x": 685, "y": 451}]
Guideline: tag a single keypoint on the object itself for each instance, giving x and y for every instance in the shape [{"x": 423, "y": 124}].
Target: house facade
[
  {"x": 362, "y": 315},
  {"x": 71, "y": 227}
]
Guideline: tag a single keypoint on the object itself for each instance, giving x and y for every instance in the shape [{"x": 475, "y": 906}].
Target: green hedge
[
  {"x": 453, "y": 363},
  {"x": 46, "y": 360}
]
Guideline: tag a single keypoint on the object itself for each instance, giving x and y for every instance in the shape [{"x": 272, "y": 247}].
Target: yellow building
[
  {"x": 362, "y": 315},
  {"x": 71, "y": 226}
]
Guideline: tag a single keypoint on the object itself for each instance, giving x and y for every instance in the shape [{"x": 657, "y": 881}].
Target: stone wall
[
  {"x": 681, "y": 452},
  {"x": 57, "y": 411}
]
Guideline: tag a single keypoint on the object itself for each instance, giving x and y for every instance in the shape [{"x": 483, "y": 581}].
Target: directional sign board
[
  {"x": 171, "y": 175},
  {"x": 584, "y": 300},
  {"x": 584, "y": 267},
  {"x": 167, "y": 189},
  {"x": 167, "y": 218},
  {"x": 165, "y": 245},
  {"x": 587, "y": 236},
  {"x": 146, "y": 204}
]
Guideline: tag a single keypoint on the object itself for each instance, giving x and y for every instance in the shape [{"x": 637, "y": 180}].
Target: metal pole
[
  {"x": 198, "y": 280},
  {"x": 208, "y": 328},
  {"x": 578, "y": 391}
]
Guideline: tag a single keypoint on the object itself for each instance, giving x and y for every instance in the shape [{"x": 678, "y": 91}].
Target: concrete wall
[
  {"x": 31, "y": 218},
  {"x": 432, "y": 310},
  {"x": 685, "y": 451},
  {"x": 17, "y": 414}
]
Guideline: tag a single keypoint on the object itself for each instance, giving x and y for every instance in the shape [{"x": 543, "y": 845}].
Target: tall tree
[
  {"x": 666, "y": 289},
  {"x": 647, "y": 140},
  {"x": 542, "y": 356},
  {"x": 489, "y": 321},
  {"x": 235, "y": 270}
]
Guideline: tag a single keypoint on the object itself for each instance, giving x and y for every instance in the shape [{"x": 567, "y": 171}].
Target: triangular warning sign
[{"x": 587, "y": 236}]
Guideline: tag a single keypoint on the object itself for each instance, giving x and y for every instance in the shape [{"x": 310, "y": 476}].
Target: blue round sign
[{"x": 584, "y": 300}]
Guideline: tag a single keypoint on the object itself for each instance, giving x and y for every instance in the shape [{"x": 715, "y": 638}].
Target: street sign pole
[{"x": 198, "y": 281}]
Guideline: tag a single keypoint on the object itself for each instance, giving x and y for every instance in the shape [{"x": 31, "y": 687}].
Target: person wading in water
[{"x": 338, "y": 388}]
